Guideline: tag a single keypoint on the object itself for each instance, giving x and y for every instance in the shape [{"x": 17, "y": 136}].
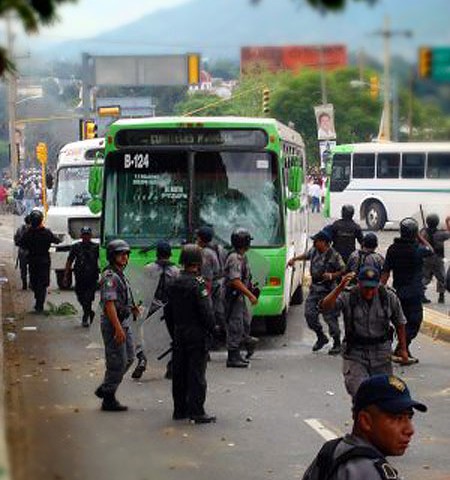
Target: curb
[{"x": 436, "y": 325}]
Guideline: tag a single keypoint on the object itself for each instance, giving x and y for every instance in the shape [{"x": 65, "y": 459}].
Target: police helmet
[
  {"x": 205, "y": 233},
  {"x": 241, "y": 238},
  {"x": 86, "y": 230},
  {"x": 27, "y": 219},
  {"x": 191, "y": 254},
  {"x": 432, "y": 220},
  {"x": 370, "y": 240},
  {"x": 36, "y": 217},
  {"x": 409, "y": 228},
  {"x": 347, "y": 212},
  {"x": 116, "y": 246},
  {"x": 163, "y": 249}
]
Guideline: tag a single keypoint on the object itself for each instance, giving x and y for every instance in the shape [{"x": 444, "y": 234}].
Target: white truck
[{"x": 69, "y": 210}]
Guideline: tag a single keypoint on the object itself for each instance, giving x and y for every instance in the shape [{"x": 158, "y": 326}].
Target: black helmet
[
  {"x": 347, "y": 212},
  {"x": 191, "y": 254},
  {"x": 205, "y": 233},
  {"x": 116, "y": 246},
  {"x": 86, "y": 230},
  {"x": 370, "y": 240},
  {"x": 36, "y": 217},
  {"x": 409, "y": 228},
  {"x": 241, "y": 238},
  {"x": 432, "y": 220}
]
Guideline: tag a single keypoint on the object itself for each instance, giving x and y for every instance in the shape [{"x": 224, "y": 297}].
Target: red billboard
[{"x": 293, "y": 57}]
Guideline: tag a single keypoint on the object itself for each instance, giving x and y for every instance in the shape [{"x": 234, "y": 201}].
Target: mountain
[{"x": 217, "y": 28}]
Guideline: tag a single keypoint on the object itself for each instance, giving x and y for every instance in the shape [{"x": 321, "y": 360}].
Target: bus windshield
[
  {"x": 168, "y": 194},
  {"x": 72, "y": 186}
]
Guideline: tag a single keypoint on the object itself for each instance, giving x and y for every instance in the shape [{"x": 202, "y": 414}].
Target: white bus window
[
  {"x": 363, "y": 165},
  {"x": 388, "y": 165},
  {"x": 340, "y": 175},
  {"x": 438, "y": 165},
  {"x": 413, "y": 165}
]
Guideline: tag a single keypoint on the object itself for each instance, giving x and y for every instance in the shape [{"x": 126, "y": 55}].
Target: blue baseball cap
[
  {"x": 205, "y": 233},
  {"x": 163, "y": 249},
  {"x": 388, "y": 392},
  {"x": 322, "y": 235},
  {"x": 369, "y": 277}
]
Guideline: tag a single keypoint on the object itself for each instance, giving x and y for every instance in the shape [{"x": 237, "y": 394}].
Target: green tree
[{"x": 31, "y": 13}]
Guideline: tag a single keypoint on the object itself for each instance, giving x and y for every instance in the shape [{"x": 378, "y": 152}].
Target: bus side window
[
  {"x": 388, "y": 165},
  {"x": 413, "y": 165},
  {"x": 363, "y": 165},
  {"x": 438, "y": 165}
]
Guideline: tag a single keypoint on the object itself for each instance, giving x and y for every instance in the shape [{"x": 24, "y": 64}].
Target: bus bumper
[{"x": 269, "y": 306}]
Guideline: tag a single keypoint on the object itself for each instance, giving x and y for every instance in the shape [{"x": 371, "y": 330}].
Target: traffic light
[
  {"x": 265, "y": 101},
  {"x": 41, "y": 152},
  {"x": 425, "y": 62},
  {"x": 374, "y": 87},
  {"x": 90, "y": 129}
]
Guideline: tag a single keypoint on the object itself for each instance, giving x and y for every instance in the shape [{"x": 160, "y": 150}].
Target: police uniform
[
  {"x": 22, "y": 256},
  {"x": 237, "y": 314},
  {"x": 362, "y": 258},
  {"x": 37, "y": 242},
  {"x": 86, "y": 271},
  {"x": 434, "y": 264},
  {"x": 405, "y": 258},
  {"x": 329, "y": 262},
  {"x": 190, "y": 314},
  {"x": 344, "y": 232},
  {"x": 367, "y": 344},
  {"x": 114, "y": 286}
]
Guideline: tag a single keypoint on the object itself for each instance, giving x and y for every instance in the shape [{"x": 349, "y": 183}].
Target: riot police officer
[
  {"x": 118, "y": 307},
  {"x": 37, "y": 240},
  {"x": 22, "y": 255},
  {"x": 405, "y": 259},
  {"x": 344, "y": 232},
  {"x": 434, "y": 264},
  {"x": 369, "y": 310},
  {"x": 191, "y": 319},
  {"x": 237, "y": 287},
  {"x": 85, "y": 256},
  {"x": 326, "y": 266},
  {"x": 366, "y": 256}
]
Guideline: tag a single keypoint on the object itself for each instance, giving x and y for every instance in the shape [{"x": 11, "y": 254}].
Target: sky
[{"x": 87, "y": 18}]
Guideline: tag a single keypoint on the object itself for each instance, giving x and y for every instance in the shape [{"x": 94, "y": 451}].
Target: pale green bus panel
[{"x": 165, "y": 177}]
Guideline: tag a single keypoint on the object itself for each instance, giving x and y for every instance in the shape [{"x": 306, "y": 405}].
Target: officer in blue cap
[
  {"x": 326, "y": 267},
  {"x": 382, "y": 416},
  {"x": 369, "y": 310}
]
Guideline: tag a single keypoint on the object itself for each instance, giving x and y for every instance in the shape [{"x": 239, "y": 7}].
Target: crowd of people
[{"x": 207, "y": 301}]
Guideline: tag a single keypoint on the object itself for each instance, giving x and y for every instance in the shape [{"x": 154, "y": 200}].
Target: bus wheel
[
  {"x": 297, "y": 298},
  {"x": 62, "y": 284},
  {"x": 276, "y": 325},
  {"x": 375, "y": 216}
]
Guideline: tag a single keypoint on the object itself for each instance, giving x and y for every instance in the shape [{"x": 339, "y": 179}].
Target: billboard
[{"x": 293, "y": 57}]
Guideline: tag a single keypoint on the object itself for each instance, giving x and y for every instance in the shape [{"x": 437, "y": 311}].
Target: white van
[{"x": 69, "y": 211}]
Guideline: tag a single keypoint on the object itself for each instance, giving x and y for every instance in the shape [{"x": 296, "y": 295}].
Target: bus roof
[
  {"x": 392, "y": 147},
  {"x": 74, "y": 152},
  {"x": 287, "y": 133}
]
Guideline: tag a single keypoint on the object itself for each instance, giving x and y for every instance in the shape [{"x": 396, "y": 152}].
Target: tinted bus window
[
  {"x": 413, "y": 165},
  {"x": 388, "y": 165},
  {"x": 340, "y": 174},
  {"x": 363, "y": 165},
  {"x": 438, "y": 165}
]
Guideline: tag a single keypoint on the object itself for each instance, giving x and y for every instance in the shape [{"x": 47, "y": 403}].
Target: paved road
[{"x": 261, "y": 431}]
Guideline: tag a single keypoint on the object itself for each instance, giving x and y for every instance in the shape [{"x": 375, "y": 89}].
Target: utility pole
[
  {"x": 12, "y": 98},
  {"x": 323, "y": 85},
  {"x": 387, "y": 33},
  {"x": 361, "y": 61}
]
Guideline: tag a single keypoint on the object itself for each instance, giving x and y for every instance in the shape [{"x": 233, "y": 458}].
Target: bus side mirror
[
  {"x": 293, "y": 202},
  {"x": 295, "y": 179},
  {"x": 95, "y": 188}
]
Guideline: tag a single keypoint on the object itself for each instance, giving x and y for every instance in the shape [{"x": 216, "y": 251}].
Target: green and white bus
[
  {"x": 389, "y": 181},
  {"x": 164, "y": 177}
]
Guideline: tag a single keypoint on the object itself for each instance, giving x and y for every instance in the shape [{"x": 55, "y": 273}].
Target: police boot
[
  {"x": 336, "y": 348},
  {"x": 250, "y": 344},
  {"x": 141, "y": 366},
  {"x": 234, "y": 360},
  {"x": 441, "y": 297},
  {"x": 322, "y": 340},
  {"x": 203, "y": 418},
  {"x": 425, "y": 299},
  {"x": 111, "y": 404},
  {"x": 85, "y": 320}
]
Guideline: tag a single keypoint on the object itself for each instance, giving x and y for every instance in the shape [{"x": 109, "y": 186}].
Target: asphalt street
[{"x": 272, "y": 418}]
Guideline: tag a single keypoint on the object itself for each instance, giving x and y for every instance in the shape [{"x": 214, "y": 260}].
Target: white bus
[
  {"x": 386, "y": 182},
  {"x": 69, "y": 211}
]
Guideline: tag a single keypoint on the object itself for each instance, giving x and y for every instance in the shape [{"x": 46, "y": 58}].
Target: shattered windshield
[
  {"x": 72, "y": 186},
  {"x": 151, "y": 197}
]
